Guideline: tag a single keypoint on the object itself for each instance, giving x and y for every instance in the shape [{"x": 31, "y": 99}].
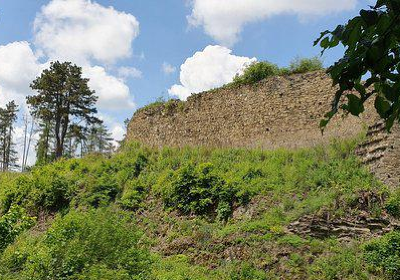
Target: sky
[{"x": 137, "y": 51}]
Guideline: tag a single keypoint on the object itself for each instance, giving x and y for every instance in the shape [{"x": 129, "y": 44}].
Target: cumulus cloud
[
  {"x": 129, "y": 72},
  {"x": 113, "y": 93},
  {"x": 18, "y": 68},
  {"x": 168, "y": 68},
  {"x": 91, "y": 35},
  {"x": 224, "y": 21},
  {"x": 210, "y": 68},
  {"x": 115, "y": 127},
  {"x": 81, "y": 30}
]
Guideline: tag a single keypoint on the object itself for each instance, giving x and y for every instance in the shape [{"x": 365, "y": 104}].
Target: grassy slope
[{"x": 184, "y": 214}]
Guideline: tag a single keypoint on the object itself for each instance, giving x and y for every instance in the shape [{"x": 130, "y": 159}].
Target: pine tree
[
  {"x": 63, "y": 96},
  {"x": 99, "y": 140},
  {"x": 74, "y": 140},
  {"x": 8, "y": 117}
]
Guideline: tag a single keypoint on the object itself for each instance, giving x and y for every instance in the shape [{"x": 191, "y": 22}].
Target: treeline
[{"x": 63, "y": 115}]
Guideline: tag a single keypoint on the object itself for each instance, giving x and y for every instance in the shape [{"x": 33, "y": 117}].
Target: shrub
[
  {"x": 344, "y": 261},
  {"x": 247, "y": 271},
  {"x": 304, "y": 65},
  {"x": 384, "y": 254},
  {"x": 83, "y": 244},
  {"x": 256, "y": 72},
  {"x": 14, "y": 222},
  {"x": 393, "y": 204},
  {"x": 133, "y": 195},
  {"x": 198, "y": 190}
]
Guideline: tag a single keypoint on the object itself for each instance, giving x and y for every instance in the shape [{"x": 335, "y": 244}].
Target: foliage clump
[
  {"x": 371, "y": 41},
  {"x": 304, "y": 65},
  {"x": 80, "y": 245},
  {"x": 384, "y": 255},
  {"x": 258, "y": 71},
  {"x": 13, "y": 223},
  {"x": 198, "y": 190}
]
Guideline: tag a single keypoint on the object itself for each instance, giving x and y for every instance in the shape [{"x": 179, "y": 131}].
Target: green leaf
[
  {"x": 369, "y": 17},
  {"x": 390, "y": 92},
  {"x": 382, "y": 106},
  {"x": 325, "y": 43},
  {"x": 361, "y": 89},
  {"x": 355, "y": 105},
  {"x": 321, "y": 36}
]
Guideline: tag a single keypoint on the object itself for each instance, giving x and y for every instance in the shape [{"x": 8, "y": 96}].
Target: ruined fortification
[{"x": 281, "y": 111}]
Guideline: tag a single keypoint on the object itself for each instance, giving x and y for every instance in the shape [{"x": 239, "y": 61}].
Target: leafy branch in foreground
[{"x": 372, "y": 42}]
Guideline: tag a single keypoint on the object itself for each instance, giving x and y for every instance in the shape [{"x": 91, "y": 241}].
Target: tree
[
  {"x": 63, "y": 96},
  {"x": 8, "y": 117},
  {"x": 99, "y": 140},
  {"x": 372, "y": 47}
]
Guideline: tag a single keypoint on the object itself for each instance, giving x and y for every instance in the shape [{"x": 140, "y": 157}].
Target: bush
[
  {"x": 384, "y": 255},
  {"x": 304, "y": 65},
  {"x": 133, "y": 195},
  {"x": 14, "y": 222},
  {"x": 393, "y": 204},
  {"x": 256, "y": 72},
  {"x": 198, "y": 190},
  {"x": 94, "y": 181},
  {"x": 344, "y": 261},
  {"x": 83, "y": 243}
]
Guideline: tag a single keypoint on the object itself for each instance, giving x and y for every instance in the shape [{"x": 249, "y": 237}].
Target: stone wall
[
  {"x": 381, "y": 153},
  {"x": 277, "y": 112}
]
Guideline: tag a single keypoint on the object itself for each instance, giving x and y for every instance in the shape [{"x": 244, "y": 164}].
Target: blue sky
[{"x": 165, "y": 32}]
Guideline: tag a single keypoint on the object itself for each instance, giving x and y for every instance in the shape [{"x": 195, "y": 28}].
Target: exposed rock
[
  {"x": 381, "y": 153},
  {"x": 323, "y": 227}
]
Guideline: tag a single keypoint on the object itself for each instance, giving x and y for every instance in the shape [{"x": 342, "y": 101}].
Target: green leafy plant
[
  {"x": 384, "y": 255},
  {"x": 198, "y": 190},
  {"x": 256, "y": 72},
  {"x": 13, "y": 223},
  {"x": 372, "y": 45},
  {"x": 393, "y": 204},
  {"x": 304, "y": 65},
  {"x": 82, "y": 245}
]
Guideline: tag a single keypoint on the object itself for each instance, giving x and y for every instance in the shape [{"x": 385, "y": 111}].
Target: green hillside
[{"x": 194, "y": 213}]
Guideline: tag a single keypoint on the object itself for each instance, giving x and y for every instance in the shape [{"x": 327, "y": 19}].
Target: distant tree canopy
[
  {"x": 258, "y": 71},
  {"x": 372, "y": 48},
  {"x": 63, "y": 99}
]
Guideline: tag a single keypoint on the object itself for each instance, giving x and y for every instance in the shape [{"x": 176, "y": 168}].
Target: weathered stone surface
[
  {"x": 323, "y": 227},
  {"x": 381, "y": 153},
  {"x": 276, "y": 112}
]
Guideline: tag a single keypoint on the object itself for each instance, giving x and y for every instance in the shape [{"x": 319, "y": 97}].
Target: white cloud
[
  {"x": 18, "y": 68},
  {"x": 168, "y": 68},
  {"x": 117, "y": 132},
  {"x": 224, "y": 20},
  {"x": 210, "y": 68},
  {"x": 129, "y": 72},
  {"x": 116, "y": 129},
  {"x": 113, "y": 93},
  {"x": 82, "y": 30}
]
